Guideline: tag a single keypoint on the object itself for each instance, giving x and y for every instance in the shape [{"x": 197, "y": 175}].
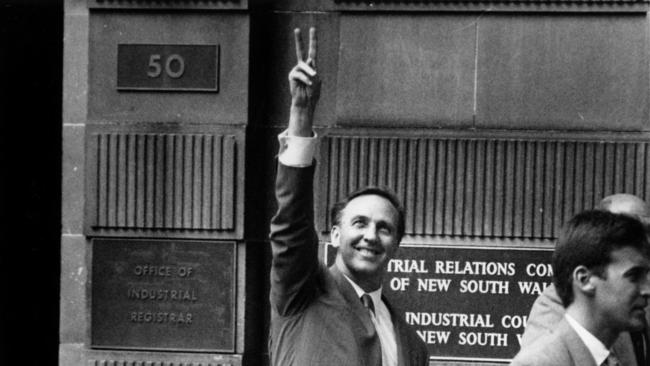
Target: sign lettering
[{"x": 163, "y": 295}]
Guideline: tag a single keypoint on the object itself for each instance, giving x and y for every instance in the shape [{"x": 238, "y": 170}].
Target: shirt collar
[
  {"x": 375, "y": 295},
  {"x": 597, "y": 349}
]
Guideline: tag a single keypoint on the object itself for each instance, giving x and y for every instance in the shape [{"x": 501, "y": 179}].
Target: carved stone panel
[
  {"x": 484, "y": 188},
  {"x": 169, "y": 4},
  {"x": 164, "y": 183}
]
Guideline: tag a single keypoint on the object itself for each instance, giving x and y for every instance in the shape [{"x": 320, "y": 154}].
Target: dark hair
[
  {"x": 337, "y": 209},
  {"x": 588, "y": 239}
]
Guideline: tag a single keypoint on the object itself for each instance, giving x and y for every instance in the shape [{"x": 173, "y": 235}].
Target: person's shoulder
[
  {"x": 549, "y": 350},
  {"x": 547, "y": 310}
]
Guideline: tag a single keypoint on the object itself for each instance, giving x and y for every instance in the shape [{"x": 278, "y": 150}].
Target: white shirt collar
[
  {"x": 597, "y": 349},
  {"x": 375, "y": 295}
]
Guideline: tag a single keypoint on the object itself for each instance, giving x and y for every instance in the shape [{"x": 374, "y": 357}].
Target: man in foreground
[
  {"x": 336, "y": 315},
  {"x": 600, "y": 265},
  {"x": 547, "y": 311}
]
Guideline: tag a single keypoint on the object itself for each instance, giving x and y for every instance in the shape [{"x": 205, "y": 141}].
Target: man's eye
[
  {"x": 358, "y": 223},
  {"x": 637, "y": 276},
  {"x": 386, "y": 230}
]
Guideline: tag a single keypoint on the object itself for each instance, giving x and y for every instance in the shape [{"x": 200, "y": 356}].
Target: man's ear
[
  {"x": 335, "y": 236},
  {"x": 583, "y": 279}
]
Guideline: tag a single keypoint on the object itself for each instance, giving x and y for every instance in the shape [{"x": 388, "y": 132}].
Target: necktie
[
  {"x": 638, "y": 341},
  {"x": 367, "y": 302}
]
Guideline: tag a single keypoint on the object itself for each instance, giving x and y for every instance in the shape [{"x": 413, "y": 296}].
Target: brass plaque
[
  {"x": 163, "y": 295},
  {"x": 168, "y": 67}
]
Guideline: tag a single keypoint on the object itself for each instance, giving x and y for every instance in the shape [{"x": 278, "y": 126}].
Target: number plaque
[{"x": 168, "y": 67}]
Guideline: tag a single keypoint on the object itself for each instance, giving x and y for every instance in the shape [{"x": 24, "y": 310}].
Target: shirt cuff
[{"x": 297, "y": 151}]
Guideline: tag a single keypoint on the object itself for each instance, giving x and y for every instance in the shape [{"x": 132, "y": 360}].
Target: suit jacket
[
  {"x": 563, "y": 347},
  {"x": 548, "y": 311},
  {"x": 316, "y": 316}
]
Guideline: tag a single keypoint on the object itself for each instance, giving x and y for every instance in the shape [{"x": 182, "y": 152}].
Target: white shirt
[
  {"x": 383, "y": 325},
  {"x": 597, "y": 349},
  {"x": 296, "y": 151}
]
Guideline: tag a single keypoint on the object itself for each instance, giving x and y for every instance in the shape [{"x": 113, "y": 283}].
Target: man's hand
[{"x": 304, "y": 84}]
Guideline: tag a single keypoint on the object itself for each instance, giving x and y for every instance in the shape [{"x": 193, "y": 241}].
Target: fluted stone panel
[
  {"x": 164, "y": 181},
  {"x": 153, "y": 4},
  {"x": 489, "y": 188},
  {"x": 152, "y": 363}
]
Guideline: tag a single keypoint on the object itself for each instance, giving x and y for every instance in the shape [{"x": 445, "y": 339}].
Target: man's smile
[{"x": 367, "y": 251}]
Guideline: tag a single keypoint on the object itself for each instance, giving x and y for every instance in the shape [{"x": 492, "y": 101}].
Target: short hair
[
  {"x": 588, "y": 239},
  {"x": 336, "y": 212}
]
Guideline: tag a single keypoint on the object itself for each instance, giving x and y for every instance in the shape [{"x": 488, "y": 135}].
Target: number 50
[{"x": 155, "y": 66}]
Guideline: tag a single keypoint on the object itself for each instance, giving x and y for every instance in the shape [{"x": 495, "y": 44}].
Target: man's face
[
  {"x": 366, "y": 239},
  {"x": 621, "y": 293}
]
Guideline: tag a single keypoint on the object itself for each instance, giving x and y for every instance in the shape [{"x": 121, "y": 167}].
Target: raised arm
[
  {"x": 304, "y": 84},
  {"x": 295, "y": 267}
]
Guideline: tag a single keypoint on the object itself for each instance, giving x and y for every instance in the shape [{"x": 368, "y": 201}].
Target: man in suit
[
  {"x": 547, "y": 311},
  {"x": 600, "y": 265},
  {"x": 337, "y": 315}
]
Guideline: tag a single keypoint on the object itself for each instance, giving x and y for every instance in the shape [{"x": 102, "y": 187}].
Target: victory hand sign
[{"x": 304, "y": 84}]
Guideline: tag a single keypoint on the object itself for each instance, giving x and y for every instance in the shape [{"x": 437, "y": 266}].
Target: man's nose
[
  {"x": 370, "y": 234},
  {"x": 645, "y": 287}
]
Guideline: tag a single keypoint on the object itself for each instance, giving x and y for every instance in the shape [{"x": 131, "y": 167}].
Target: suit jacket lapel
[
  {"x": 362, "y": 324},
  {"x": 350, "y": 296},
  {"x": 577, "y": 349}
]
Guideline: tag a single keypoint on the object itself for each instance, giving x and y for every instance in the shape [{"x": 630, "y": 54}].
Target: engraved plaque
[
  {"x": 467, "y": 304},
  {"x": 168, "y": 67},
  {"x": 163, "y": 295}
]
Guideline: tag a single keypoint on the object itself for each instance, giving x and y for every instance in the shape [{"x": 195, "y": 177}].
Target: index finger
[
  {"x": 296, "y": 33},
  {"x": 313, "y": 45}
]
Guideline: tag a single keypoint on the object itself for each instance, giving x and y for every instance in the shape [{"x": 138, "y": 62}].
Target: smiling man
[
  {"x": 368, "y": 226},
  {"x": 337, "y": 315},
  {"x": 600, "y": 264}
]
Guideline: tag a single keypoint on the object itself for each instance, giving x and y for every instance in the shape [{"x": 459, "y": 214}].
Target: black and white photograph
[{"x": 325, "y": 182}]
